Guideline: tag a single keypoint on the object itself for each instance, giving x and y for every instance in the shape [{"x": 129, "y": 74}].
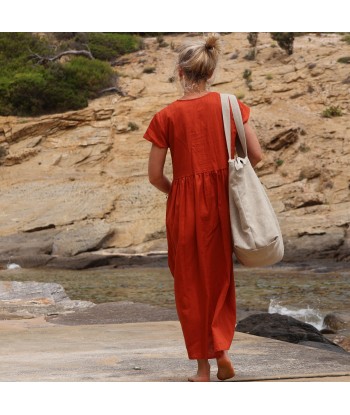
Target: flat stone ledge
[{"x": 35, "y": 350}]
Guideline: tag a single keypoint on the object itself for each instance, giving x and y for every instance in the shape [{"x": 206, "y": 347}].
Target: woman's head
[{"x": 197, "y": 59}]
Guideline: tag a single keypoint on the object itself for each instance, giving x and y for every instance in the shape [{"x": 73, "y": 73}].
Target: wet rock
[
  {"x": 285, "y": 328},
  {"x": 33, "y": 299},
  {"x": 94, "y": 259},
  {"x": 116, "y": 313},
  {"x": 343, "y": 341},
  {"x": 337, "y": 321},
  {"x": 28, "y": 261}
]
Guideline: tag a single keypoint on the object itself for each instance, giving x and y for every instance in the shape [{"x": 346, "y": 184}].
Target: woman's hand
[{"x": 156, "y": 163}]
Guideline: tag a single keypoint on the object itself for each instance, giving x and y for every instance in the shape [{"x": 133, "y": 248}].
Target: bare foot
[
  {"x": 225, "y": 367},
  {"x": 203, "y": 373}
]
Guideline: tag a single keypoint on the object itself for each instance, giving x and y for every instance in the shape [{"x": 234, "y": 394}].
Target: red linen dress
[{"x": 198, "y": 220}]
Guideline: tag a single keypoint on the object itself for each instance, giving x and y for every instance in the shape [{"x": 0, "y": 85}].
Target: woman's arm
[
  {"x": 156, "y": 163},
  {"x": 253, "y": 145}
]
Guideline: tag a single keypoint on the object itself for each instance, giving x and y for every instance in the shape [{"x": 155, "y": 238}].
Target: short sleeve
[
  {"x": 156, "y": 131},
  {"x": 245, "y": 111}
]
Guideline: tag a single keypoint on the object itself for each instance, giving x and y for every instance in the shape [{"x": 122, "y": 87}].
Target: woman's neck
[{"x": 194, "y": 89}]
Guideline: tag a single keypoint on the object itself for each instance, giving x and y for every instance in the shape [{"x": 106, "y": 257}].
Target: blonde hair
[{"x": 198, "y": 58}]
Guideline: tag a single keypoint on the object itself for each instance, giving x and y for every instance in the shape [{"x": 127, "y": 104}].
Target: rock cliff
[{"x": 76, "y": 182}]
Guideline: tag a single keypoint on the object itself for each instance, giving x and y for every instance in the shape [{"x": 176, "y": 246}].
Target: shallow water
[{"x": 306, "y": 292}]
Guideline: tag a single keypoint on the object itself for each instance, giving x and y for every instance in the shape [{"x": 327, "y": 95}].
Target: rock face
[
  {"x": 77, "y": 182},
  {"x": 285, "y": 328},
  {"x": 33, "y": 299}
]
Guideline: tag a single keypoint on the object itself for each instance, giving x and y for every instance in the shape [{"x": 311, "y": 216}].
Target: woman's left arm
[{"x": 156, "y": 163}]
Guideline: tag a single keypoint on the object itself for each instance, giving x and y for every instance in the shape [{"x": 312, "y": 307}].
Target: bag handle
[{"x": 225, "y": 100}]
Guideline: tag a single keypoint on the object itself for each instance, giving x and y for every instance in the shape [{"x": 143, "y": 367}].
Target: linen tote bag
[{"x": 257, "y": 238}]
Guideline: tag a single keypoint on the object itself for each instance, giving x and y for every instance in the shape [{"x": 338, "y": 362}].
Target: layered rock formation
[
  {"x": 77, "y": 182},
  {"x": 32, "y": 299}
]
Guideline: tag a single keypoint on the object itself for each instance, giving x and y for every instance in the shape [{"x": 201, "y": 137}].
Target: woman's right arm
[{"x": 253, "y": 145}]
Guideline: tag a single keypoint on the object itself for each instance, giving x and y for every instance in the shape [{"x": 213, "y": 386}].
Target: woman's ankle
[{"x": 222, "y": 354}]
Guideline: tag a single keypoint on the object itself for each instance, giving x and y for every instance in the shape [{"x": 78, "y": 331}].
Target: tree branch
[
  {"x": 112, "y": 90},
  {"x": 43, "y": 60}
]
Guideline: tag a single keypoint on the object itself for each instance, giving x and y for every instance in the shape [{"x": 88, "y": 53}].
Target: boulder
[
  {"x": 81, "y": 238},
  {"x": 285, "y": 328},
  {"x": 337, "y": 321}
]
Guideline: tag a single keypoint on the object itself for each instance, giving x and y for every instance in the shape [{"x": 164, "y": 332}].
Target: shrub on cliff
[
  {"x": 284, "y": 40},
  {"x": 56, "y": 88},
  {"x": 30, "y": 88},
  {"x": 35, "y": 94},
  {"x": 103, "y": 45}
]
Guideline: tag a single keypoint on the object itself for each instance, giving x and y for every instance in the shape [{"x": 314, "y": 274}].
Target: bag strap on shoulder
[{"x": 226, "y": 99}]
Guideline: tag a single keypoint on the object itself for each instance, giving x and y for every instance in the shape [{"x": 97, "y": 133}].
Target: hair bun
[{"x": 212, "y": 42}]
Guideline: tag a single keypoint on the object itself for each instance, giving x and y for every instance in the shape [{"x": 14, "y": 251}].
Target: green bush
[
  {"x": 36, "y": 93},
  {"x": 88, "y": 75},
  {"x": 108, "y": 46},
  {"x": 133, "y": 126},
  {"x": 344, "y": 59},
  {"x": 247, "y": 74},
  {"x": 250, "y": 56},
  {"x": 253, "y": 38},
  {"x": 28, "y": 88},
  {"x": 284, "y": 40},
  {"x": 346, "y": 38},
  {"x": 17, "y": 46},
  {"x": 332, "y": 111},
  {"x": 149, "y": 69}
]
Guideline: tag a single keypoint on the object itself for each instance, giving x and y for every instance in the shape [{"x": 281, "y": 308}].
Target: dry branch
[
  {"x": 43, "y": 60},
  {"x": 112, "y": 89}
]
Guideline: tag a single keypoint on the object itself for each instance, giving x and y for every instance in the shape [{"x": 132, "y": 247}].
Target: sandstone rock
[
  {"x": 12, "y": 159},
  {"x": 33, "y": 299},
  {"x": 43, "y": 204},
  {"x": 304, "y": 200},
  {"x": 284, "y": 139},
  {"x": 81, "y": 238},
  {"x": 26, "y": 244},
  {"x": 343, "y": 253},
  {"x": 293, "y": 77},
  {"x": 282, "y": 88},
  {"x": 285, "y": 328},
  {"x": 309, "y": 172},
  {"x": 257, "y": 85},
  {"x": 76, "y": 168}
]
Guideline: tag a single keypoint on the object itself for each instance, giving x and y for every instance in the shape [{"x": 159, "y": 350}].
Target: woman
[{"x": 197, "y": 215}]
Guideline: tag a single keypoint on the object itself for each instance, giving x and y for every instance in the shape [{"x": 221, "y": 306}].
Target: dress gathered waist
[{"x": 200, "y": 173}]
